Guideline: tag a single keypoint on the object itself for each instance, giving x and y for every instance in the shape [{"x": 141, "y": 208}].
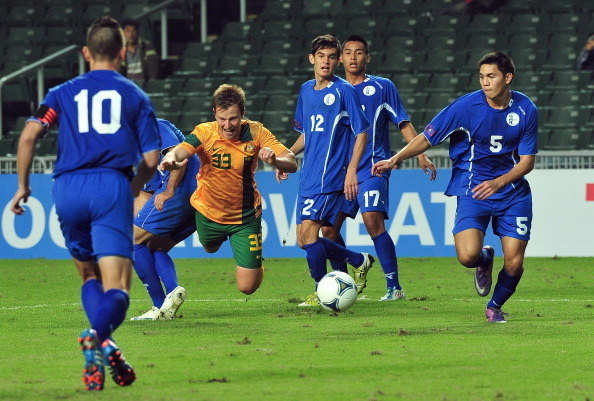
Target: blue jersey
[
  {"x": 328, "y": 118},
  {"x": 382, "y": 105},
  {"x": 485, "y": 143},
  {"x": 104, "y": 121},
  {"x": 170, "y": 137}
]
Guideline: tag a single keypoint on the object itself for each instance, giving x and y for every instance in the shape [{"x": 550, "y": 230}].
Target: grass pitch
[{"x": 435, "y": 345}]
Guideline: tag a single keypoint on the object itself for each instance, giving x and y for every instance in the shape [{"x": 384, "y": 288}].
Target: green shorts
[{"x": 246, "y": 239}]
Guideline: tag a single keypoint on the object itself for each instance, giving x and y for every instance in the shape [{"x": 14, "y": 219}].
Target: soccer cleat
[
  {"x": 121, "y": 371},
  {"x": 482, "y": 274},
  {"x": 173, "y": 301},
  {"x": 360, "y": 273},
  {"x": 93, "y": 372},
  {"x": 495, "y": 315},
  {"x": 393, "y": 294},
  {"x": 311, "y": 300},
  {"x": 151, "y": 314}
]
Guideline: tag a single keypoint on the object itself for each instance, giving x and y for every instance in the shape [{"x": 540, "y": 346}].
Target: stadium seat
[
  {"x": 568, "y": 79},
  {"x": 233, "y": 64},
  {"x": 202, "y": 86},
  {"x": 400, "y": 62},
  {"x": 565, "y": 117},
  {"x": 276, "y": 10},
  {"x": 281, "y": 84},
  {"x": 415, "y": 101},
  {"x": 168, "y": 104},
  {"x": 135, "y": 10},
  {"x": 528, "y": 82},
  {"x": 439, "y": 100},
  {"x": 7, "y": 146},
  {"x": 165, "y": 87},
  {"x": 564, "y": 98},
  {"x": 96, "y": 10},
  {"x": 46, "y": 146},
  {"x": 235, "y": 31},
  {"x": 408, "y": 83},
  {"x": 278, "y": 122},
  {"x": 24, "y": 14},
  {"x": 252, "y": 85},
  {"x": 280, "y": 103},
  {"x": 317, "y": 8},
  {"x": 447, "y": 25},
  {"x": 63, "y": 15},
  {"x": 399, "y": 42}
]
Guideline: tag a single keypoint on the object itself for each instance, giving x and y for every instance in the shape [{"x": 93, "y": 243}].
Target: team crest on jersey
[
  {"x": 329, "y": 99},
  {"x": 512, "y": 119},
  {"x": 369, "y": 90},
  {"x": 249, "y": 148}
]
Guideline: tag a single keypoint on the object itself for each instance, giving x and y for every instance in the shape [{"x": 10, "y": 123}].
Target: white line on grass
[{"x": 276, "y": 300}]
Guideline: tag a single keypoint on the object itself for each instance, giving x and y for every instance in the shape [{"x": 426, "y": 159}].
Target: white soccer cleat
[
  {"x": 151, "y": 314},
  {"x": 393, "y": 294},
  {"x": 173, "y": 301},
  {"x": 360, "y": 273}
]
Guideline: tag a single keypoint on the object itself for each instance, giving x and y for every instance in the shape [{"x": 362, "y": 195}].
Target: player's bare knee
[{"x": 468, "y": 260}]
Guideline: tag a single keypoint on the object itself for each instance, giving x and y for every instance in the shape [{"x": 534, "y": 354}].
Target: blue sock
[
  {"x": 386, "y": 253},
  {"x": 505, "y": 287},
  {"x": 340, "y": 253},
  {"x": 482, "y": 259},
  {"x": 144, "y": 264},
  {"x": 338, "y": 265},
  {"x": 91, "y": 294},
  {"x": 166, "y": 270},
  {"x": 316, "y": 260},
  {"x": 111, "y": 313}
]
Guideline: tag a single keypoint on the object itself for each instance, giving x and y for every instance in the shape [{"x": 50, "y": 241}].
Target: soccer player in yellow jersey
[{"x": 227, "y": 202}]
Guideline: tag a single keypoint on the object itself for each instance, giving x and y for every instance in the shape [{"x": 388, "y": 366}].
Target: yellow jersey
[{"x": 227, "y": 192}]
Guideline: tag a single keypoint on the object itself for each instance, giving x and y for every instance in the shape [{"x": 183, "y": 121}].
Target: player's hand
[
  {"x": 485, "y": 189},
  {"x": 351, "y": 186},
  {"x": 267, "y": 156},
  {"x": 280, "y": 176},
  {"x": 427, "y": 166},
  {"x": 383, "y": 165},
  {"x": 169, "y": 163},
  {"x": 161, "y": 198},
  {"x": 21, "y": 194}
]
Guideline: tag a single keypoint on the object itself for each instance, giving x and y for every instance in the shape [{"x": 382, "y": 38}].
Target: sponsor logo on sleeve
[{"x": 429, "y": 130}]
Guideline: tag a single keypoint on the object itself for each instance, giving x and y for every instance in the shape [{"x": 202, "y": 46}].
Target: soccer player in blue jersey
[
  {"x": 166, "y": 218},
  {"x": 382, "y": 106},
  {"x": 104, "y": 121},
  {"x": 492, "y": 135},
  {"x": 328, "y": 114}
]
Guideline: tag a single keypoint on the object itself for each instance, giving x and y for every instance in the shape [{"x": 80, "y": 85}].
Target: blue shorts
[
  {"x": 95, "y": 213},
  {"x": 372, "y": 197},
  {"x": 177, "y": 220},
  {"x": 322, "y": 207},
  {"x": 511, "y": 217}
]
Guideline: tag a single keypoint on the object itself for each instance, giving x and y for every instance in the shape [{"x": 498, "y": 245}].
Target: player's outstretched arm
[
  {"x": 417, "y": 146},
  {"x": 146, "y": 169},
  {"x": 175, "y": 178},
  {"x": 488, "y": 188},
  {"x": 175, "y": 159},
  {"x": 285, "y": 162},
  {"x": 351, "y": 183},
  {"x": 409, "y": 133},
  {"x": 26, "y": 151}
]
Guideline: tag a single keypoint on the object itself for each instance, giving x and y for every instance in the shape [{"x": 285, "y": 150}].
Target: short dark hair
[
  {"x": 357, "y": 38},
  {"x": 503, "y": 62},
  {"x": 130, "y": 22},
  {"x": 228, "y": 95},
  {"x": 105, "y": 38},
  {"x": 325, "y": 42}
]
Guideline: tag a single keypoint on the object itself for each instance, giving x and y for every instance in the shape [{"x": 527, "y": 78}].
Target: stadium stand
[{"x": 431, "y": 62}]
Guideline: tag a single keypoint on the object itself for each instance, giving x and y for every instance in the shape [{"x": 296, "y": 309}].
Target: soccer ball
[{"x": 336, "y": 291}]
